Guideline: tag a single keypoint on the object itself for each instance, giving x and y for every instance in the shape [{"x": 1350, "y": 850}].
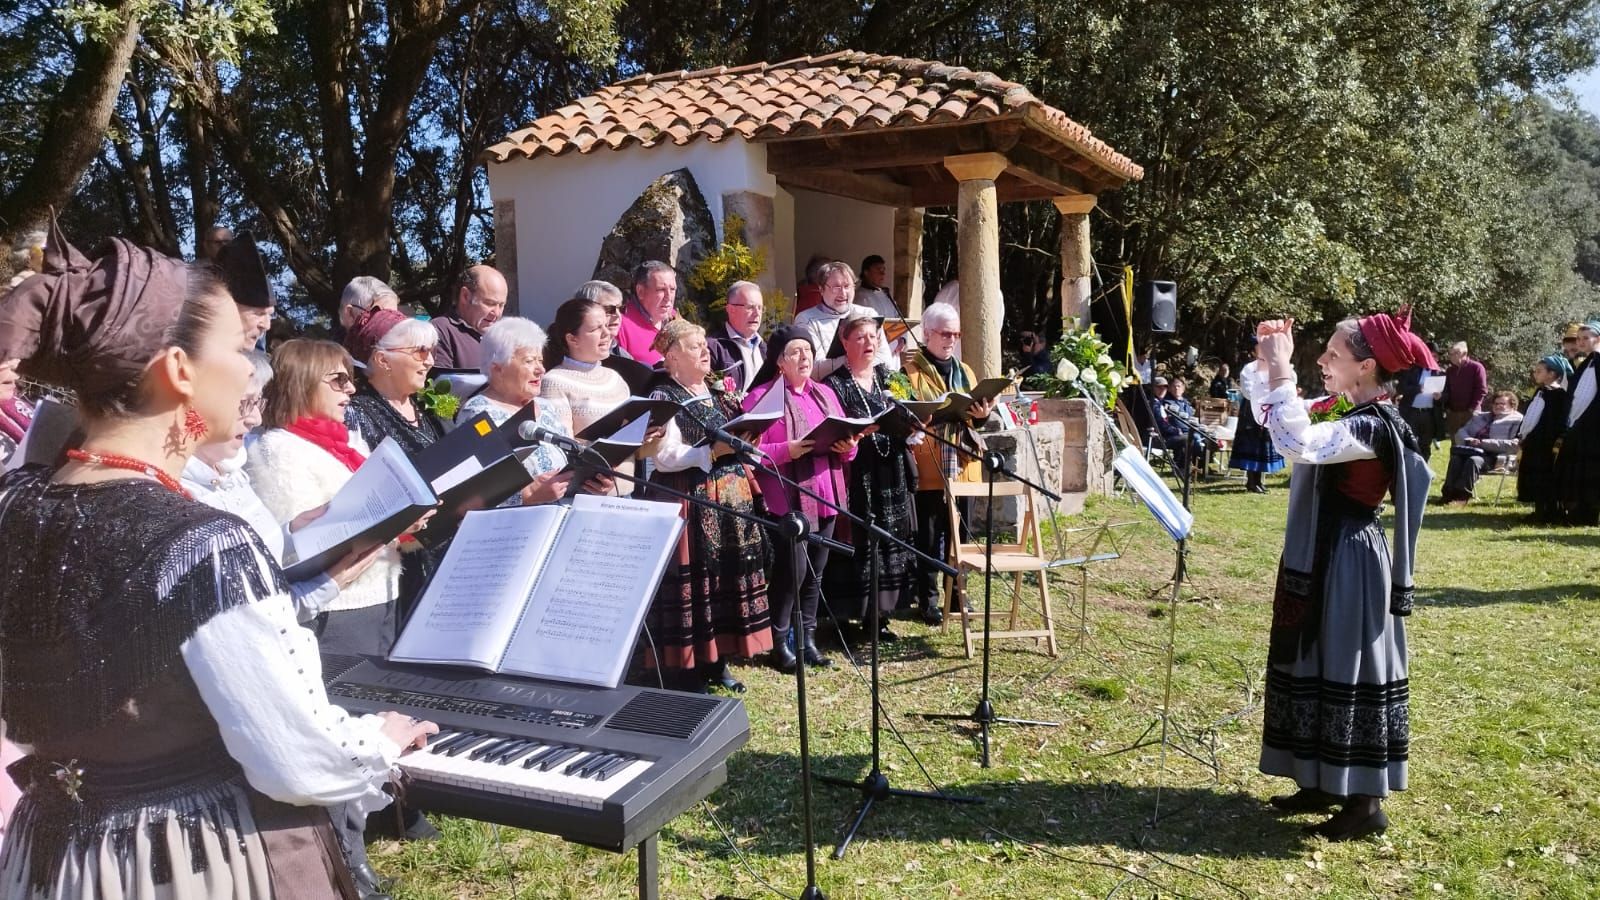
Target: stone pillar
[
  {"x": 505, "y": 255},
  {"x": 908, "y": 259},
  {"x": 978, "y": 255},
  {"x": 757, "y": 212},
  {"x": 1077, "y": 268}
]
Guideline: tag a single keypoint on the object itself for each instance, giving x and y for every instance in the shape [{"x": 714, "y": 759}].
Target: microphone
[
  {"x": 741, "y": 447},
  {"x": 535, "y": 433}
]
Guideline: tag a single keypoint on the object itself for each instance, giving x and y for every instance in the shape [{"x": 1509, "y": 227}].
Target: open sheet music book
[
  {"x": 658, "y": 410},
  {"x": 753, "y": 422},
  {"x": 957, "y": 403},
  {"x": 382, "y": 499},
  {"x": 553, "y": 592},
  {"x": 837, "y": 428}
]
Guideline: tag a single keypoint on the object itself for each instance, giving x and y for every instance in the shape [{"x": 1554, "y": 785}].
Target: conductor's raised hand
[
  {"x": 410, "y": 732},
  {"x": 1275, "y": 341}
]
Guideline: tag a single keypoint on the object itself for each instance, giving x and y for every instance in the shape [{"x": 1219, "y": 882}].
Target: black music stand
[{"x": 983, "y": 715}]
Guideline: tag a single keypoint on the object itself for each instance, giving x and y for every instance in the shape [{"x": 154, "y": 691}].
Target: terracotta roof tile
[{"x": 838, "y": 92}]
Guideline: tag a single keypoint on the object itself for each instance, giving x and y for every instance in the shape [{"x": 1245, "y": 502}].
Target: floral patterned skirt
[{"x": 712, "y": 602}]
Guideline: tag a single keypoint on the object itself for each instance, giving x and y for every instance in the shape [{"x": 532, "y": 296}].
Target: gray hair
[
  {"x": 827, "y": 269},
  {"x": 363, "y": 291},
  {"x": 1360, "y": 349},
  {"x": 410, "y": 333},
  {"x": 644, "y": 270},
  {"x": 261, "y": 373},
  {"x": 941, "y": 317},
  {"x": 737, "y": 286},
  {"x": 507, "y": 337},
  {"x": 594, "y": 290}
]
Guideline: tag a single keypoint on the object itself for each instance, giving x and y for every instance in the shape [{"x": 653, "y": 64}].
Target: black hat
[
  {"x": 780, "y": 339},
  {"x": 243, "y": 271}
]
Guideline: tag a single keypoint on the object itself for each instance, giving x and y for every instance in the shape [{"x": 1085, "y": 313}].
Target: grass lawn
[{"x": 1504, "y": 799}]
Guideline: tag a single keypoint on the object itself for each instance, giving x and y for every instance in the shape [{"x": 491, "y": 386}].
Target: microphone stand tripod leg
[{"x": 875, "y": 786}]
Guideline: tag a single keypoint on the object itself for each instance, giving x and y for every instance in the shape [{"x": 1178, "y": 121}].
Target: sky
[{"x": 1587, "y": 87}]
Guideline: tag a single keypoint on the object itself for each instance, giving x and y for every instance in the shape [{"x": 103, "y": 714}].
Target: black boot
[
  {"x": 814, "y": 657},
  {"x": 783, "y": 658}
]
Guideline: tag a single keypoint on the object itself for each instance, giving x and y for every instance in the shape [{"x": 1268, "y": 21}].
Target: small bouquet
[
  {"x": 725, "y": 384},
  {"x": 899, "y": 386},
  {"x": 437, "y": 399},
  {"x": 1330, "y": 408}
]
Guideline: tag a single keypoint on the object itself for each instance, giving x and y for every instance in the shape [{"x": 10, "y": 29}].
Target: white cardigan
[{"x": 292, "y": 475}]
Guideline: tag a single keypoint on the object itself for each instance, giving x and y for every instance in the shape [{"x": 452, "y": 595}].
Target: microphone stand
[
  {"x": 983, "y": 714},
  {"x": 795, "y": 532},
  {"x": 874, "y": 786}
]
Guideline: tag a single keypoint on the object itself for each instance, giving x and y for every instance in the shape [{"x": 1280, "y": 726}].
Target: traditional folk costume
[
  {"x": 1542, "y": 427},
  {"x": 797, "y": 576},
  {"x": 711, "y": 605},
  {"x": 1253, "y": 451},
  {"x": 879, "y": 486},
  {"x": 1577, "y": 468},
  {"x": 159, "y": 766},
  {"x": 1337, "y": 705}
]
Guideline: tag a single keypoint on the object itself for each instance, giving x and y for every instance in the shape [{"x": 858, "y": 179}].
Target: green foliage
[
  {"x": 438, "y": 399},
  {"x": 731, "y": 262}
]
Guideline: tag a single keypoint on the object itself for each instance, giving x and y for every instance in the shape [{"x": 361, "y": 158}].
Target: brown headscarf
[
  {"x": 92, "y": 325},
  {"x": 368, "y": 330}
]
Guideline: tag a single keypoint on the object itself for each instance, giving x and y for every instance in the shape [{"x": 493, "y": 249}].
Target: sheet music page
[
  {"x": 584, "y": 615},
  {"x": 384, "y": 485},
  {"x": 476, "y": 597}
]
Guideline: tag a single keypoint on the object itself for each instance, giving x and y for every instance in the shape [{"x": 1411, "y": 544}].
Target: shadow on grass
[
  {"x": 762, "y": 795},
  {"x": 1468, "y": 597}
]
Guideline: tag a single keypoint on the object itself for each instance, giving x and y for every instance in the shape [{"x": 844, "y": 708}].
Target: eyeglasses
[
  {"x": 612, "y": 311},
  {"x": 952, "y": 335},
  {"x": 420, "y": 354},
  {"x": 339, "y": 381},
  {"x": 252, "y": 405}
]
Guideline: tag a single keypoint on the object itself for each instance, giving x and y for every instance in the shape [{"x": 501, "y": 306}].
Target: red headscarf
[
  {"x": 368, "y": 330},
  {"x": 1393, "y": 344}
]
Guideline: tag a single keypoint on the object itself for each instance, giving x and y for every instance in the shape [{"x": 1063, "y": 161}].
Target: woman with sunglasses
[
  {"x": 298, "y": 464},
  {"x": 215, "y": 476},
  {"x": 397, "y": 352}
]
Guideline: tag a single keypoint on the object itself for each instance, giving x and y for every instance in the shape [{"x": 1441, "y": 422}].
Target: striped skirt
[{"x": 1338, "y": 717}]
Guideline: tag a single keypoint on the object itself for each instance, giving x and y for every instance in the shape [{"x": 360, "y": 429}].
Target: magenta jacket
[{"x": 828, "y": 481}]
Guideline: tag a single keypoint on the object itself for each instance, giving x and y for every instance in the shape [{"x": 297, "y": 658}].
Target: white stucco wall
[
  {"x": 566, "y": 205},
  {"x": 843, "y": 229}
]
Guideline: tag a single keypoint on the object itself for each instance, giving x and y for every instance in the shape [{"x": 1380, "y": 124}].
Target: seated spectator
[
  {"x": 1480, "y": 445},
  {"x": 1035, "y": 355},
  {"x": 1221, "y": 383},
  {"x": 1176, "y": 398}
]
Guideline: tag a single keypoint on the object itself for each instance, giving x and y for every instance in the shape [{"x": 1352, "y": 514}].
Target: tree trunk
[{"x": 73, "y": 131}]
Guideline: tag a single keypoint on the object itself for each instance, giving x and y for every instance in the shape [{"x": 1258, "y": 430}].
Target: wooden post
[
  {"x": 1077, "y": 268},
  {"x": 978, "y": 255},
  {"x": 908, "y": 260}
]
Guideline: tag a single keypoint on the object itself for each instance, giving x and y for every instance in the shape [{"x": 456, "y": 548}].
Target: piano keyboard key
[{"x": 526, "y": 768}]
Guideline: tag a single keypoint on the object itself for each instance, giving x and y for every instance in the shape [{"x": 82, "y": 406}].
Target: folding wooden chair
[{"x": 1015, "y": 558}]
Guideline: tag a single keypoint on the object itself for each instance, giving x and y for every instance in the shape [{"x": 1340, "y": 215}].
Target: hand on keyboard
[{"x": 409, "y": 732}]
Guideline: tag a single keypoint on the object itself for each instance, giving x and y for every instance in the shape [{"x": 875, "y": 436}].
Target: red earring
[{"x": 194, "y": 425}]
